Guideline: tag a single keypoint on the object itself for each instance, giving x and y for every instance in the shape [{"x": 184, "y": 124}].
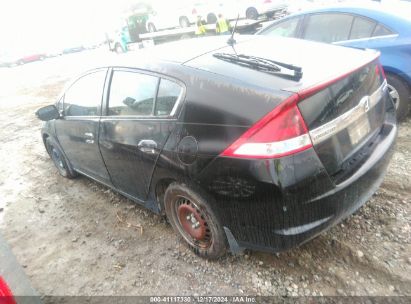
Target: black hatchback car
[{"x": 263, "y": 144}]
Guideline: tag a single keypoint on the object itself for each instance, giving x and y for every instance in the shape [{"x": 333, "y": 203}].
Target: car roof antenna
[{"x": 231, "y": 41}]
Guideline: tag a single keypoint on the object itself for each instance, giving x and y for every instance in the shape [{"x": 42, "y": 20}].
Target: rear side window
[
  {"x": 287, "y": 28},
  {"x": 84, "y": 97},
  {"x": 381, "y": 30},
  {"x": 132, "y": 94},
  {"x": 328, "y": 28},
  {"x": 168, "y": 94},
  {"x": 362, "y": 28}
]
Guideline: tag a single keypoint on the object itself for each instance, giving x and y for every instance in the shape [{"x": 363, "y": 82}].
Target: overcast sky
[{"x": 47, "y": 24}]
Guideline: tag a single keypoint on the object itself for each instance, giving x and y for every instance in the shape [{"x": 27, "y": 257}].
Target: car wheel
[
  {"x": 184, "y": 22},
  {"x": 192, "y": 217},
  {"x": 251, "y": 13},
  {"x": 59, "y": 160},
  {"x": 400, "y": 94},
  {"x": 119, "y": 49},
  {"x": 151, "y": 28},
  {"x": 211, "y": 18}
]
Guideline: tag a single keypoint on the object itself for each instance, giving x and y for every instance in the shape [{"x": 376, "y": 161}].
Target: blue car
[{"x": 371, "y": 26}]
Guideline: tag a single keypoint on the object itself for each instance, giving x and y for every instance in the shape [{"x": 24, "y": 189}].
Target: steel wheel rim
[
  {"x": 200, "y": 237},
  {"x": 394, "y": 95}
]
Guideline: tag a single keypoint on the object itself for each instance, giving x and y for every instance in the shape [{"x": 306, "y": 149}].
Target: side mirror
[{"x": 48, "y": 113}]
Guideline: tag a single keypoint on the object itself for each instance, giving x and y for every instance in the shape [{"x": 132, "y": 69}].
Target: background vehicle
[
  {"x": 231, "y": 147},
  {"x": 373, "y": 26},
  {"x": 8, "y": 60},
  {"x": 15, "y": 287},
  {"x": 165, "y": 17}
]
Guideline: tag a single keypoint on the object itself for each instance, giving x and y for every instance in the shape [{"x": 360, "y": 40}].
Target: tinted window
[
  {"x": 381, "y": 30},
  {"x": 168, "y": 94},
  {"x": 287, "y": 28},
  {"x": 84, "y": 97},
  {"x": 328, "y": 27},
  {"x": 132, "y": 94},
  {"x": 362, "y": 28}
]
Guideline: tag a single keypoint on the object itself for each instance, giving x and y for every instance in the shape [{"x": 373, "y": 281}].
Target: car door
[
  {"x": 77, "y": 130},
  {"x": 139, "y": 116}
]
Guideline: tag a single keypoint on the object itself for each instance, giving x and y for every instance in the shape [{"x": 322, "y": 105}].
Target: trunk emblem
[{"x": 365, "y": 103}]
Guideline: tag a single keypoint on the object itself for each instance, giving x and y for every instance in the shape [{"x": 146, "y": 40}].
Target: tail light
[
  {"x": 267, "y": 1},
  {"x": 379, "y": 70},
  {"x": 280, "y": 133},
  {"x": 194, "y": 11},
  {"x": 6, "y": 296}
]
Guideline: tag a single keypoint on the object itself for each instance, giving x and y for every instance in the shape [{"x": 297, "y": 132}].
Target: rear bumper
[{"x": 279, "y": 204}]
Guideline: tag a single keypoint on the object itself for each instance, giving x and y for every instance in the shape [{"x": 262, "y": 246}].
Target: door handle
[
  {"x": 147, "y": 146},
  {"x": 89, "y": 137}
]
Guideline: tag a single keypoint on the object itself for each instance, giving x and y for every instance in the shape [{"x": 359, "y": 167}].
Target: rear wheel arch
[{"x": 160, "y": 190}]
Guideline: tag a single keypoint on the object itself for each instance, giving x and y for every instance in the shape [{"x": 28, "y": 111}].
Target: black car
[{"x": 263, "y": 144}]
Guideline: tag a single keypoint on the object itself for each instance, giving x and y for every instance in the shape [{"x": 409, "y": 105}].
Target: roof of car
[
  {"x": 396, "y": 17},
  {"x": 319, "y": 61}
]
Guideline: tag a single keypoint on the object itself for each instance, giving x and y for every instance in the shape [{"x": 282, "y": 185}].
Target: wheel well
[
  {"x": 160, "y": 190},
  {"x": 393, "y": 73}
]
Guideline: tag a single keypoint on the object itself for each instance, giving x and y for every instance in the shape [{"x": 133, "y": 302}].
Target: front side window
[
  {"x": 132, "y": 94},
  {"x": 362, "y": 28},
  {"x": 84, "y": 97},
  {"x": 287, "y": 28},
  {"x": 168, "y": 94},
  {"x": 328, "y": 28}
]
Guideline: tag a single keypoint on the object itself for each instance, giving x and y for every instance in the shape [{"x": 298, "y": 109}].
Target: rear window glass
[
  {"x": 362, "y": 28},
  {"x": 132, "y": 94},
  {"x": 328, "y": 27},
  {"x": 168, "y": 94}
]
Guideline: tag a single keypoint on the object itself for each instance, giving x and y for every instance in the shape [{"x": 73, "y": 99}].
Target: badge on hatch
[{"x": 365, "y": 103}]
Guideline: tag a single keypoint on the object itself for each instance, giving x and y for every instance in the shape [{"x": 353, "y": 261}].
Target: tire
[
  {"x": 251, "y": 13},
  {"x": 151, "y": 28},
  {"x": 184, "y": 22},
  {"x": 59, "y": 159},
  {"x": 211, "y": 18},
  {"x": 119, "y": 49},
  {"x": 192, "y": 217},
  {"x": 400, "y": 94}
]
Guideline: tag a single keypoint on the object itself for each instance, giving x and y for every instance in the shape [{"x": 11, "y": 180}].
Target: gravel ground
[{"x": 76, "y": 237}]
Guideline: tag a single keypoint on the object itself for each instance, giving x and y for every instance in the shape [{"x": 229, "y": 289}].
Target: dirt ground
[{"x": 72, "y": 236}]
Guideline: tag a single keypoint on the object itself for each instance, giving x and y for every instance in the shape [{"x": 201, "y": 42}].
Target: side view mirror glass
[{"x": 48, "y": 113}]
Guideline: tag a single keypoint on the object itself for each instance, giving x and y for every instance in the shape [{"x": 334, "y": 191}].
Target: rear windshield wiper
[{"x": 263, "y": 65}]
